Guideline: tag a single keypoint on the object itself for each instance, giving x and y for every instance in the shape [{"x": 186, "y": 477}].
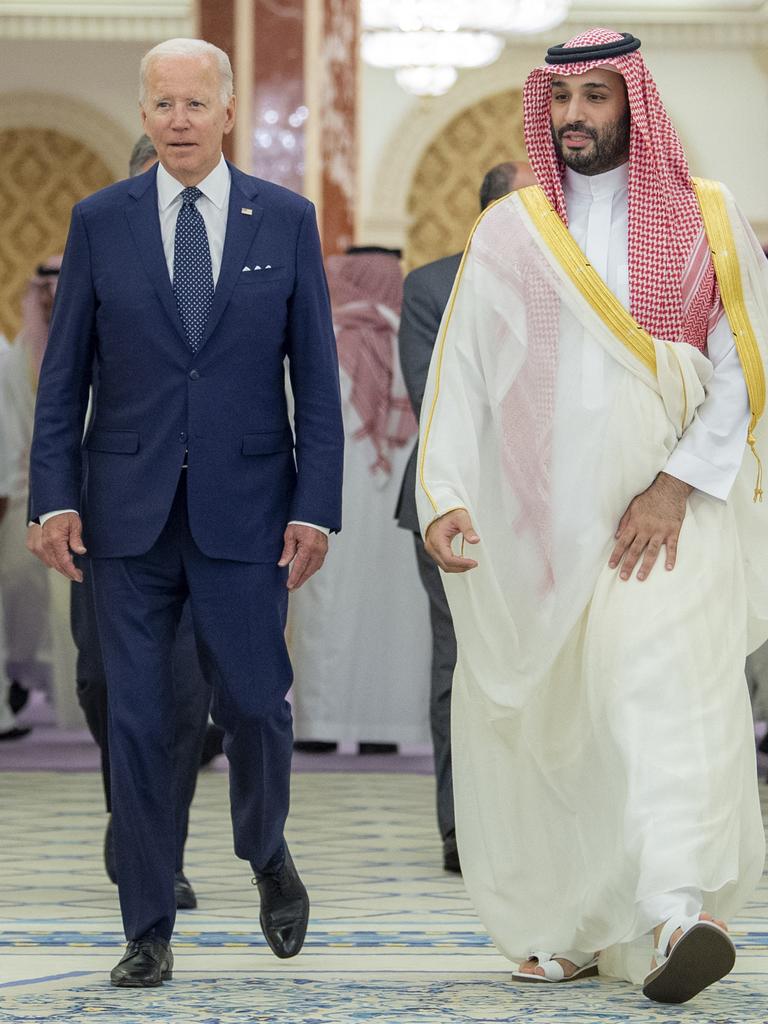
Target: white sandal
[
  {"x": 585, "y": 963},
  {"x": 702, "y": 955}
]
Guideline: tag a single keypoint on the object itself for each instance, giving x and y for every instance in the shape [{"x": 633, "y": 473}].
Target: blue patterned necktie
[{"x": 192, "y": 273}]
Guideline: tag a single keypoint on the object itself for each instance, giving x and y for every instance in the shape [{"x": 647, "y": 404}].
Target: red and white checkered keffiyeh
[
  {"x": 366, "y": 298},
  {"x": 672, "y": 285}
]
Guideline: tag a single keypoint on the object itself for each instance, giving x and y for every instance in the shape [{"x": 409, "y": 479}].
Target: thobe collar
[
  {"x": 597, "y": 186},
  {"x": 214, "y": 186}
]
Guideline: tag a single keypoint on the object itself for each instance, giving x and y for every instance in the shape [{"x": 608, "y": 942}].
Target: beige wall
[{"x": 100, "y": 75}]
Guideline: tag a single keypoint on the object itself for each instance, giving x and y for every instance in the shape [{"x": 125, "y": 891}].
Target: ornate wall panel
[
  {"x": 443, "y": 199},
  {"x": 42, "y": 174}
]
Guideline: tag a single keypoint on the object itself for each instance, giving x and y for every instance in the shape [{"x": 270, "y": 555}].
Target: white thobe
[
  {"x": 709, "y": 453},
  {"x": 601, "y": 728},
  {"x": 359, "y": 629}
]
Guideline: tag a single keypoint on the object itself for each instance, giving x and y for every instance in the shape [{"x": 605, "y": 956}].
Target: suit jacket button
[
  {"x": 194, "y": 375},
  {"x": 182, "y": 436}
]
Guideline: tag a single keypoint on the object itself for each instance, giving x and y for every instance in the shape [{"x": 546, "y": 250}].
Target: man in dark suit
[
  {"x": 189, "y": 286},
  {"x": 425, "y": 296},
  {"x": 192, "y": 695}
]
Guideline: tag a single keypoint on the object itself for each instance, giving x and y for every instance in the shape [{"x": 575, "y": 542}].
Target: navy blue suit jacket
[{"x": 154, "y": 398}]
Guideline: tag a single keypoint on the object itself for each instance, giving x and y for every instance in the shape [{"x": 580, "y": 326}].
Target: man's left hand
[
  {"x": 653, "y": 518},
  {"x": 306, "y": 547}
]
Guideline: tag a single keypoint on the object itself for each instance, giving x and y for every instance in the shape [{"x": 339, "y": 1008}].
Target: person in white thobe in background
[
  {"x": 24, "y": 581},
  {"x": 360, "y": 638},
  {"x": 11, "y": 453}
]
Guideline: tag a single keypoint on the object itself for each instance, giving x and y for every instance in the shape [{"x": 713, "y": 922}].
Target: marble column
[{"x": 296, "y": 77}]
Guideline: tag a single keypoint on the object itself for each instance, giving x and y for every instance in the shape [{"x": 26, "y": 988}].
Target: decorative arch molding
[
  {"x": 79, "y": 120},
  {"x": 387, "y": 221}
]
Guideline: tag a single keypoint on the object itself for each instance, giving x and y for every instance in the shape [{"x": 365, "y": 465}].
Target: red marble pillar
[
  {"x": 337, "y": 112},
  {"x": 216, "y": 23},
  {"x": 279, "y": 111},
  {"x": 296, "y": 76}
]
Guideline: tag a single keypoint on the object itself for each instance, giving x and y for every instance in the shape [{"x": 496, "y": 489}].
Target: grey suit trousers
[{"x": 443, "y": 664}]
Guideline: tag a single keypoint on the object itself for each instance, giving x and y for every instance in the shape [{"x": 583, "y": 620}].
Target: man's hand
[
  {"x": 440, "y": 534},
  {"x": 62, "y": 535},
  {"x": 306, "y": 547},
  {"x": 653, "y": 518}
]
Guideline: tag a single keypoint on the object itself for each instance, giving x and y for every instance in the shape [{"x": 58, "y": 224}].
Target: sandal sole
[{"x": 701, "y": 957}]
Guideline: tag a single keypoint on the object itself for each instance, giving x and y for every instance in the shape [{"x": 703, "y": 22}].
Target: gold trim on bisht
[
  {"x": 717, "y": 225},
  {"x": 597, "y": 293},
  {"x": 438, "y": 369}
]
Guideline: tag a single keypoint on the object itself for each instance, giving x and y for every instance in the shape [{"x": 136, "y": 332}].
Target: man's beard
[{"x": 610, "y": 148}]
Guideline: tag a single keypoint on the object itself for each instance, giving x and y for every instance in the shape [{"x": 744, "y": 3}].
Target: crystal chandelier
[{"x": 425, "y": 41}]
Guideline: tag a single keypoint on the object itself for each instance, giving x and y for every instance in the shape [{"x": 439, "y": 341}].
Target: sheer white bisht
[{"x": 602, "y": 736}]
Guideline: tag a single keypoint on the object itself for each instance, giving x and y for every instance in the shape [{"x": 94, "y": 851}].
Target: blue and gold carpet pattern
[{"x": 392, "y": 940}]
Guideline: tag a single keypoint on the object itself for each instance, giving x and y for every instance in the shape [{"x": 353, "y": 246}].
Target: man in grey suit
[{"x": 425, "y": 296}]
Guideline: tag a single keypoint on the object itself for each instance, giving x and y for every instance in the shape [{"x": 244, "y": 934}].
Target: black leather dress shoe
[
  {"x": 451, "y": 854},
  {"x": 377, "y": 748},
  {"x": 17, "y": 733},
  {"x": 185, "y": 894},
  {"x": 18, "y": 696},
  {"x": 284, "y": 908},
  {"x": 315, "y": 747},
  {"x": 147, "y": 963},
  {"x": 109, "y": 853}
]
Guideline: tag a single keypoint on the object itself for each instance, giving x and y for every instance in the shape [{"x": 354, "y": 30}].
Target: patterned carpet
[{"x": 392, "y": 937}]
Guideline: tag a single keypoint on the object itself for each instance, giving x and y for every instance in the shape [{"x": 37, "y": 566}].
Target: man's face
[
  {"x": 184, "y": 116},
  {"x": 590, "y": 120}
]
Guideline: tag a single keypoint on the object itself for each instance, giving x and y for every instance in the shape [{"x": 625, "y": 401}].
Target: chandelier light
[{"x": 425, "y": 41}]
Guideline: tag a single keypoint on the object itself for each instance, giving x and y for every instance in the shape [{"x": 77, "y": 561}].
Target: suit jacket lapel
[
  {"x": 241, "y": 231},
  {"x": 145, "y": 226}
]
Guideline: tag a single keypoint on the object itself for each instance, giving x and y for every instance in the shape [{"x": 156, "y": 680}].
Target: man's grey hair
[
  {"x": 188, "y": 48},
  {"x": 498, "y": 182},
  {"x": 143, "y": 150}
]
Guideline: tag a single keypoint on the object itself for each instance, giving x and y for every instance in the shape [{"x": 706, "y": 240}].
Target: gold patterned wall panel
[
  {"x": 42, "y": 175},
  {"x": 443, "y": 201}
]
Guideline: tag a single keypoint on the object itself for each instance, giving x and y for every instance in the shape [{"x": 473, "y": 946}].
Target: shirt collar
[
  {"x": 598, "y": 186},
  {"x": 214, "y": 187}
]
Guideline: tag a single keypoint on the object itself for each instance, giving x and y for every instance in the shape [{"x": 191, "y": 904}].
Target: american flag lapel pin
[{"x": 246, "y": 210}]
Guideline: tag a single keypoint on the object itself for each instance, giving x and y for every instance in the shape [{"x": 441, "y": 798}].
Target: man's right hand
[
  {"x": 441, "y": 533},
  {"x": 62, "y": 535}
]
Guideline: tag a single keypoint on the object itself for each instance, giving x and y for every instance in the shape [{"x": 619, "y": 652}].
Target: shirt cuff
[
  {"x": 322, "y": 529},
  {"x": 716, "y": 481},
  {"x": 59, "y": 512}
]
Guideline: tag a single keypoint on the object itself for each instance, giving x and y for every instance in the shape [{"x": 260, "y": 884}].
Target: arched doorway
[
  {"x": 42, "y": 174},
  {"x": 443, "y": 199}
]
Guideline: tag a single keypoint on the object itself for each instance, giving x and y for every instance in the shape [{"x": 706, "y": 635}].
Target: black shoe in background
[
  {"x": 451, "y": 854},
  {"x": 18, "y": 732},
  {"x": 185, "y": 894},
  {"x": 213, "y": 744},
  {"x": 109, "y": 853},
  {"x": 147, "y": 963},
  {"x": 377, "y": 748},
  {"x": 18, "y": 696},
  {"x": 284, "y": 908},
  {"x": 315, "y": 747}
]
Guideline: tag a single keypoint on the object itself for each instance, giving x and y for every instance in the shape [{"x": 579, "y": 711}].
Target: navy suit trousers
[
  {"x": 239, "y": 611},
  {"x": 192, "y": 700}
]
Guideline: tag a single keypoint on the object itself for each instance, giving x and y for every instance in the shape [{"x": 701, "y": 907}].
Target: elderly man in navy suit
[{"x": 189, "y": 286}]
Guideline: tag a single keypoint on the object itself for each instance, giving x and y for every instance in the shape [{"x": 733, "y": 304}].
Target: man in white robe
[
  {"x": 34, "y": 624},
  {"x": 360, "y": 642},
  {"x": 596, "y": 382}
]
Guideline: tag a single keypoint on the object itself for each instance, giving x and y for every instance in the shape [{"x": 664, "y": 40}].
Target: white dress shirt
[
  {"x": 214, "y": 208},
  {"x": 709, "y": 453}
]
